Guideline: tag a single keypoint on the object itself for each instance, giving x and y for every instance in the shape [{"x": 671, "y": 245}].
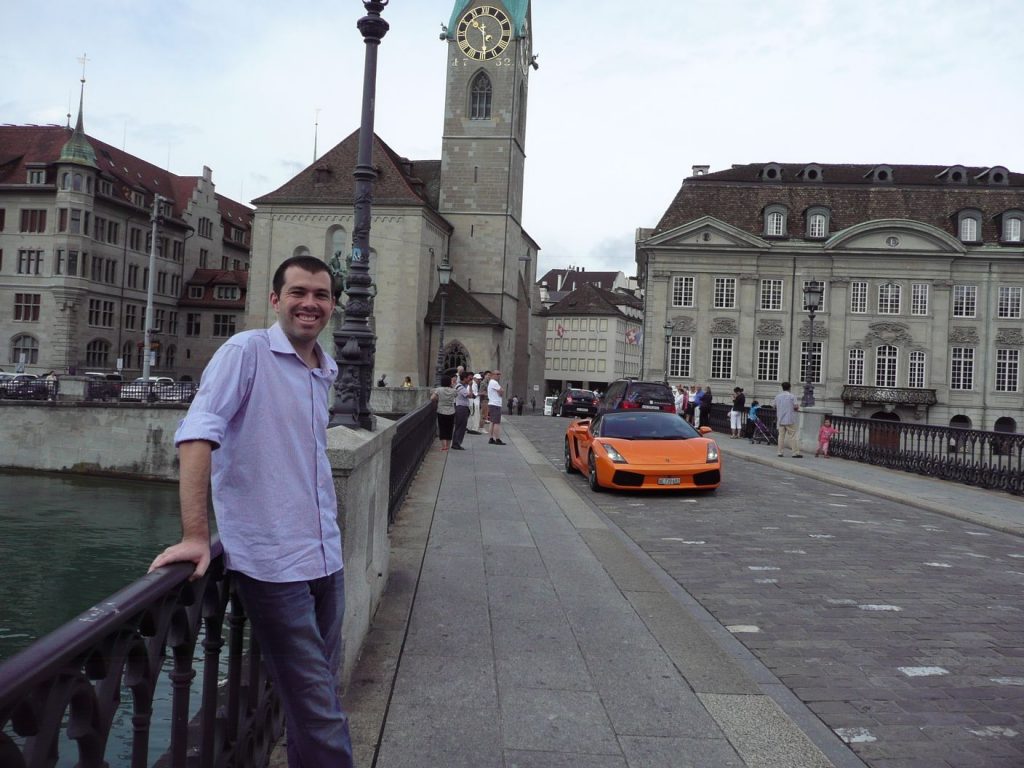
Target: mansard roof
[
  {"x": 329, "y": 179},
  {"x": 921, "y": 193}
]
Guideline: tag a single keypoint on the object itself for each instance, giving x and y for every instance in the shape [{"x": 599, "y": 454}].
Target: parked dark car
[
  {"x": 23, "y": 386},
  {"x": 626, "y": 394},
  {"x": 576, "y": 402},
  {"x": 101, "y": 385}
]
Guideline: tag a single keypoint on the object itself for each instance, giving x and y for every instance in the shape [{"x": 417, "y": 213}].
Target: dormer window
[
  {"x": 771, "y": 172},
  {"x": 955, "y": 174},
  {"x": 228, "y": 292},
  {"x": 195, "y": 291},
  {"x": 996, "y": 175},
  {"x": 817, "y": 223},
  {"x": 775, "y": 221},
  {"x": 881, "y": 174},
  {"x": 812, "y": 172},
  {"x": 1011, "y": 230},
  {"x": 969, "y": 226}
]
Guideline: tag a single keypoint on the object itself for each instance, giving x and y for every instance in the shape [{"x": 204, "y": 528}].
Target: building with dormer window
[{"x": 922, "y": 269}]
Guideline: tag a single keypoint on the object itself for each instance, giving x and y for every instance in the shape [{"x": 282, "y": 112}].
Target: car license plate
[
  {"x": 668, "y": 481},
  {"x": 581, "y": 410},
  {"x": 651, "y": 408}
]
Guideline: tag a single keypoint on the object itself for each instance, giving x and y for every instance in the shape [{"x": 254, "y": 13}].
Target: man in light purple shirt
[{"x": 258, "y": 429}]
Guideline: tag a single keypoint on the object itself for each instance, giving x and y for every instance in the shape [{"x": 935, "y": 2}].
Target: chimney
[{"x": 701, "y": 170}]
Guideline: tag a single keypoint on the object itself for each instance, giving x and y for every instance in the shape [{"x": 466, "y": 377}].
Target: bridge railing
[
  {"x": 414, "y": 433},
  {"x": 70, "y": 683}
]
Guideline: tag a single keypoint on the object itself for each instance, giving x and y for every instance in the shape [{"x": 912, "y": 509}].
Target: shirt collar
[{"x": 279, "y": 343}]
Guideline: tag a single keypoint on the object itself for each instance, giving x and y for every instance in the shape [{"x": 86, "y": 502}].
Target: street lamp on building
[
  {"x": 668, "y": 337},
  {"x": 444, "y": 276},
  {"x": 812, "y": 301}
]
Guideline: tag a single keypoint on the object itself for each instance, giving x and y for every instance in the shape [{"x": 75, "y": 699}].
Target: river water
[{"x": 68, "y": 542}]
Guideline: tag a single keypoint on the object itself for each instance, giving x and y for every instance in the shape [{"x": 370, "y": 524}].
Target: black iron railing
[
  {"x": 71, "y": 682},
  {"x": 986, "y": 459},
  {"x": 29, "y": 389},
  {"x": 413, "y": 436}
]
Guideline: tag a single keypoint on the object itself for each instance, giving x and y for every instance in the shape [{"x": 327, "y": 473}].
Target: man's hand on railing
[{"x": 186, "y": 551}]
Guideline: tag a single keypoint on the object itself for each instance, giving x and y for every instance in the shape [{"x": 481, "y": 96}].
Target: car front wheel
[{"x": 592, "y": 480}]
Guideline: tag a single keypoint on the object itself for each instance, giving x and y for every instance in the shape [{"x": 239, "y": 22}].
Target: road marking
[
  {"x": 766, "y": 581},
  {"x": 683, "y": 541},
  {"x": 833, "y": 504},
  {"x": 795, "y": 552},
  {"x": 856, "y": 522},
  {"x": 855, "y": 735},
  {"x": 939, "y": 565},
  {"x": 977, "y": 533},
  {"x": 844, "y": 495},
  {"x": 879, "y": 607},
  {"x": 800, "y": 516},
  {"x": 1008, "y": 680},
  {"x": 762, "y": 568},
  {"x": 840, "y": 601},
  {"x": 923, "y": 671},
  {"x": 975, "y": 554},
  {"x": 743, "y": 629},
  {"x": 993, "y": 732},
  {"x": 1021, "y": 557},
  {"x": 769, "y": 528},
  {"x": 821, "y": 535}
]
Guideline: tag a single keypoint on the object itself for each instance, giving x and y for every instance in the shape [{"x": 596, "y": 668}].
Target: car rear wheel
[
  {"x": 592, "y": 475},
  {"x": 570, "y": 468}
]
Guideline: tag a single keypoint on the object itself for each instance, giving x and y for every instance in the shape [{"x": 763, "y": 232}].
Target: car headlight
[
  {"x": 614, "y": 455},
  {"x": 712, "y": 452}
]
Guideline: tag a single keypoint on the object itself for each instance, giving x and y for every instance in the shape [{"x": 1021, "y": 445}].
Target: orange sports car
[{"x": 642, "y": 450}]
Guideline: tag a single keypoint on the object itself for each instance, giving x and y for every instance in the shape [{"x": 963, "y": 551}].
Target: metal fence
[
  {"x": 414, "y": 434},
  {"x": 69, "y": 684},
  {"x": 29, "y": 389}
]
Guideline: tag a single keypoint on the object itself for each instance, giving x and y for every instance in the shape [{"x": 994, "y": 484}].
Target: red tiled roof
[
  {"x": 209, "y": 279},
  {"x": 588, "y": 299}
]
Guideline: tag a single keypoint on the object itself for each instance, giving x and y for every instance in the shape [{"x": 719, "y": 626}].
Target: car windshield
[
  {"x": 581, "y": 394},
  {"x": 650, "y": 392},
  {"x": 644, "y": 426}
]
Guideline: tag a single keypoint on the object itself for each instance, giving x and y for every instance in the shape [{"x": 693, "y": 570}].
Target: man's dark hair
[
  {"x": 785, "y": 386},
  {"x": 309, "y": 263}
]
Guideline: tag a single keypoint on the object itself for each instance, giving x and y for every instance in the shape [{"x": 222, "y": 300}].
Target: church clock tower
[{"x": 483, "y": 153}]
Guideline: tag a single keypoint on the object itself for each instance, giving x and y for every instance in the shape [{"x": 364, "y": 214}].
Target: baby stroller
[{"x": 757, "y": 430}]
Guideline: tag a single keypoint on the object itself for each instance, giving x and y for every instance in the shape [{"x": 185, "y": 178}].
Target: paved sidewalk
[
  {"x": 994, "y": 509},
  {"x": 519, "y": 630}
]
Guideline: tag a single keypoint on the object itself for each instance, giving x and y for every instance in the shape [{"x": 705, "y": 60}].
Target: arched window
[
  {"x": 961, "y": 421},
  {"x": 337, "y": 245},
  {"x": 1012, "y": 226},
  {"x": 775, "y": 221},
  {"x": 886, "y": 359},
  {"x": 455, "y": 355},
  {"x": 480, "y": 98},
  {"x": 65, "y": 180},
  {"x": 1005, "y": 424},
  {"x": 76, "y": 182},
  {"x": 27, "y": 346},
  {"x": 969, "y": 226},
  {"x": 817, "y": 225},
  {"x": 97, "y": 353}
]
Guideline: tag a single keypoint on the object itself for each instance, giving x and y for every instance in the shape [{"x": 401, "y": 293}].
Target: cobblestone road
[{"x": 903, "y": 630}]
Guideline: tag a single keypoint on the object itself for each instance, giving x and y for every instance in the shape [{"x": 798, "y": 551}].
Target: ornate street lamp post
[
  {"x": 668, "y": 336},
  {"x": 444, "y": 276},
  {"x": 812, "y": 301},
  {"x": 354, "y": 343}
]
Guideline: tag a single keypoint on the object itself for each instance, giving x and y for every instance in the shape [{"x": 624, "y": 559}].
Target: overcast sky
[{"x": 629, "y": 94}]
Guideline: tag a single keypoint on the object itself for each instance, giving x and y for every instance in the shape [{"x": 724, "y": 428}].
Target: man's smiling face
[{"x": 304, "y": 306}]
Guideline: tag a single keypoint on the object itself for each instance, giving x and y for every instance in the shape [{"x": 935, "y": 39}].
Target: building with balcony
[
  {"x": 922, "y": 270},
  {"x": 75, "y": 237}
]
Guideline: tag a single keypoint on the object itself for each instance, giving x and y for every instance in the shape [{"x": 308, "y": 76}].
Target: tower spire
[{"x": 78, "y": 149}]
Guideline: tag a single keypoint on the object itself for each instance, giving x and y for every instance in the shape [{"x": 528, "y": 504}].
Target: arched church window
[
  {"x": 480, "y": 98},
  {"x": 455, "y": 354}
]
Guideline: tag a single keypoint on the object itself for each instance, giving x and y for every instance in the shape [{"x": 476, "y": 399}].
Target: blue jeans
[{"x": 298, "y": 627}]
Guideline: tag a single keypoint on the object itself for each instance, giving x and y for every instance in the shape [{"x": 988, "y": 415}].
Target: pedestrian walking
[
  {"x": 533, "y": 403},
  {"x": 444, "y": 396},
  {"x": 739, "y": 402},
  {"x": 258, "y": 430},
  {"x": 824, "y": 436},
  {"x": 494, "y": 402},
  {"x": 463, "y": 396},
  {"x": 519, "y": 406},
  {"x": 785, "y": 410}
]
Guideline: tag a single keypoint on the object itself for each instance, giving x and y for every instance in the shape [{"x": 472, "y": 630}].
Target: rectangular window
[
  {"x": 556, "y": 364},
  {"x": 1007, "y": 370},
  {"x": 679, "y": 357},
  {"x": 73, "y": 263},
  {"x": 135, "y": 239},
  {"x": 3, "y": 219},
  {"x": 36, "y": 176},
  {"x": 101, "y": 313},
  {"x": 172, "y": 323},
  {"x": 161, "y": 282},
  {"x": 193, "y": 324},
  {"x": 721, "y": 358},
  {"x": 133, "y": 275},
  {"x": 100, "y": 230},
  {"x": 177, "y": 250},
  {"x": 889, "y": 299},
  {"x": 919, "y": 299},
  {"x": 768, "y": 351},
  {"x": 26, "y": 307},
  {"x": 223, "y": 325},
  {"x": 110, "y": 271},
  {"x": 810, "y": 361},
  {"x": 886, "y": 362},
  {"x": 965, "y": 301},
  {"x": 58, "y": 262},
  {"x": 76, "y": 221},
  {"x": 113, "y": 232},
  {"x": 129, "y": 317},
  {"x": 1009, "y": 302},
  {"x": 916, "y": 371},
  {"x": 33, "y": 220},
  {"x": 771, "y": 295},
  {"x": 961, "y": 368},
  {"x": 858, "y": 297},
  {"x": 232, "y": 292},
  {"x": 725, "y": 293},
  {"x": 204, "y": 257},
  {"x": 682, "y": 291},
  {"x": 158, "y": 326},
  {"x": 30, "y": 262},
  {"x": 855, "y": 368}
]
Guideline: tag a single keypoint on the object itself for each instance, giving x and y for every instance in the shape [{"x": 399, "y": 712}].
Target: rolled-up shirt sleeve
[{"x": 223, "y": 389}]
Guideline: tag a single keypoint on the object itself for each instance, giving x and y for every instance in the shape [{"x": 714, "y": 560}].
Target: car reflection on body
[{"x": 642, "y": 450}]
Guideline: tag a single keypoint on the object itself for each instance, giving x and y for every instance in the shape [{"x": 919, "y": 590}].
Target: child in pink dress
[{"x": 824, "y": 435}]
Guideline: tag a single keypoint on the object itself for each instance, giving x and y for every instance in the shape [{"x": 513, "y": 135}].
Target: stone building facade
[
  {"x": 922, "y": 269},
  {"x": 75, "y": 236},
  {"x": 465, "y": 207}
]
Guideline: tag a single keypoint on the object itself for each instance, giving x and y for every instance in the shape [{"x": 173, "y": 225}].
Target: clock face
[
  {"x": 524, "y": 50},
  {"x": 484, "y": 32}
]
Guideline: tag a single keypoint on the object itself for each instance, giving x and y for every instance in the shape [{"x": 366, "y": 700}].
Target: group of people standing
[
  {"x": 463, "y": 398},
  {"x": 694, "y": 404}
]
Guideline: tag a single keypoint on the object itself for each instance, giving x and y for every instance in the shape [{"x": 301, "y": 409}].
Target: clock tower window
[{"x": 480, "y": 98}]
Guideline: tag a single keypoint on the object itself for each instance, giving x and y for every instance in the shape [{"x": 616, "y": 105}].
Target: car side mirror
[{"x": 705, "y": 430}]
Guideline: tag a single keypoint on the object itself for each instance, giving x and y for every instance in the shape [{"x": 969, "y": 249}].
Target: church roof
[
  {"x": 78, "y": 149},
  {"x": 518, "y": 11},
  {"x": 922, "y": 193},
  {"x": 588, "y": 299},
  {"x": 460, "y": 308},
  {"x": 329, "y": 179}
]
